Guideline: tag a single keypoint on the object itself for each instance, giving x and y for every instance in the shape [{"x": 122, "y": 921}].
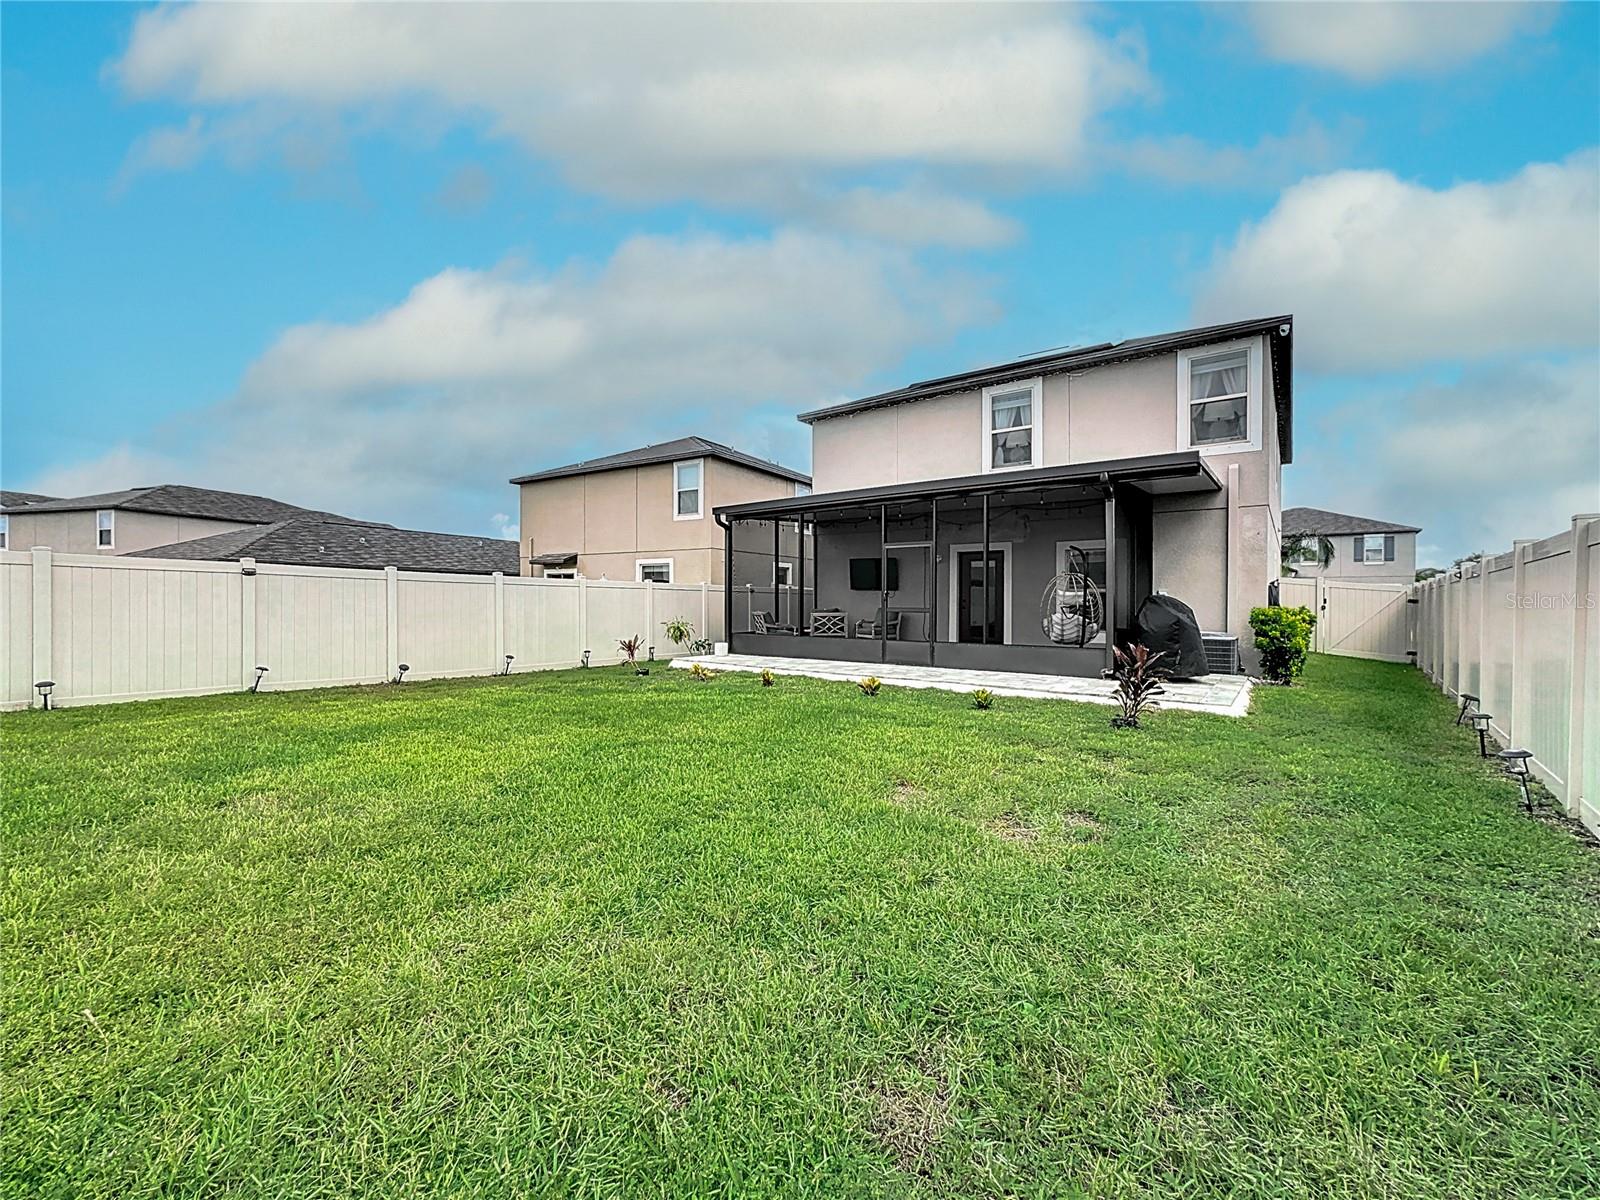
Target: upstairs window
[
  {"x": 5, "y": 533},
  {"x": 1011, "y": 426},
  {"x": 104, "y": 528},
  {"x": 783, "y": 574},
  {"x": 1219, "y": 399},
  {"x": 686, "y": 489},
  {"x": 1375, "y": 548}
]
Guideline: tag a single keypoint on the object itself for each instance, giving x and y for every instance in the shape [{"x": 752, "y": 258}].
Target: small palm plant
[
  {"x": 630, "y": 648},
  {"x": 983, "y": 698},
  {"x": 870, "y": 685},
  {"x": 767, "y": 678},
  {"x": 1138, "y": 683},
  {"x": 701, "y": 672}
]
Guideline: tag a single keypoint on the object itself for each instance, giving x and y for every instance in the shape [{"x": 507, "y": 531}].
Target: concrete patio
[{"x": 1224, "y": 695}]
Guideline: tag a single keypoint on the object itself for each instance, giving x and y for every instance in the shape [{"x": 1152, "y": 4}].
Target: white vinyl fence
[
  {"x": 107, "y": 629},
  {"x": 1521, "y": 631}
]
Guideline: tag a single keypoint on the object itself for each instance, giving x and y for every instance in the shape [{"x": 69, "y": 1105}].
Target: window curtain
[{"x": 1228, "y": 377}]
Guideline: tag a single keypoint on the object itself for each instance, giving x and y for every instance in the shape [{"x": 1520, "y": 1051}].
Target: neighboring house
[
  {"x": 1362, "y": 549},
  {"x": 10, "y": 500},
  {"x": 1157, "y": 460},
  {"x": 139, "y": 518},
  {"x": 329, "y": 542},
  {"x": 643, "y": 514}
]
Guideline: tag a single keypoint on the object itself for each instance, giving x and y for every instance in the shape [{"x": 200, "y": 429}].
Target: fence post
[
  {"x": 499, "y": 619},
  {"x": 1516, "y": 729},
  {"x": 1485, "y": 666},
  {"x": 1319, "y": 631},
  {"x": 1582, "y": 652},
  {"x": 247, "y": 622},
  {"x": 649, "y": 616},
  {"x": 43, "y": 579},
  {"x": 583, "y": 616},
  {"x": 391, "y": 604}
]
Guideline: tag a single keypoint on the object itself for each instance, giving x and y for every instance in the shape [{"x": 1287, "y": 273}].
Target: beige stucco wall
[
  {"x": 611, "y": 519},
  {"x": 75, "y": 532},
  {"x": 1116, "y": 411}
]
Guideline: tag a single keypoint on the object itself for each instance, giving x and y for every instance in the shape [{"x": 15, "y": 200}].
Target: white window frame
[
  {"x": 783, "y": 573},
  {"x": 802, "y": 489},
  {"x": 109, "y": 528},
  {"x": 639, "y": 564},
  {"x": 1252, "y": 404},
  {"x": 1367, "y": 540},
  {"x": 5, "y": 532},
  {"x": 561, "y": 572},
  {"x": 700, "y": 490},
  {"x": 1036, "y": 407}
]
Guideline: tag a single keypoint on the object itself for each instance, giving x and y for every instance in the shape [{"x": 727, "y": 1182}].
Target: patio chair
[
  {"x": 875, "y": 627},
  {"x": 762, "y": 622},
  {"x": 827, "y": 623}
]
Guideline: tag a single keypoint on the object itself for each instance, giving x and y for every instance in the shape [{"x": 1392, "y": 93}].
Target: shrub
[
  {"x": 767, "y": 678},
  {"x": 701, "y": 672},
  {"x": 630, "y": 649},
  {"x": 1283, "y": 635},
  {"x": 1138, "y": 683},
  {"x": 870, "y": 685},
  {"x": 983, "y": 698}
]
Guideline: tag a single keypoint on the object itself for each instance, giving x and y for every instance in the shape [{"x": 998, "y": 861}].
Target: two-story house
[
  {"x": 645, "y": 514},
  {"x": 1340, "y": 546},
  {"x": 972, "y": 520}
]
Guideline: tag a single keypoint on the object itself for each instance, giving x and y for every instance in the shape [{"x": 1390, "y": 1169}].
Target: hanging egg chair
[{"x": 1071, "y": 611}]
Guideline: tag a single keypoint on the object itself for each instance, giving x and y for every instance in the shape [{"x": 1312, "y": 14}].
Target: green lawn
[{"x": 581, "y": 934}]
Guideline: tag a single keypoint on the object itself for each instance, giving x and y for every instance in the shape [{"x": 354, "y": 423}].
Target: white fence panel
[
  {"x": 1522, "y": 632},
  {"x": 109, "y": 628},
  {"x": 1365, "y": 620}
]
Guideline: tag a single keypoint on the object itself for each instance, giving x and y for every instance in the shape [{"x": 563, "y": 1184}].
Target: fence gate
[{"x": 1361, "y": 620}]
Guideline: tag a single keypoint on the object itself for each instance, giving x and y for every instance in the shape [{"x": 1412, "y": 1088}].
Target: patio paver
[{"x": 1225, "y": 695}]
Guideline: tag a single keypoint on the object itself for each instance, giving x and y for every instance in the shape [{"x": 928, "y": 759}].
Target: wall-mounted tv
[{"x": 864, "y": 575}]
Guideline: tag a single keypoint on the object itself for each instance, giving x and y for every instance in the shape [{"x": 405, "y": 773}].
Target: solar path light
[
  {"x": 255, "y": 684},
  {"x": 1468, "y": 700},
  {"x": 45, "y": 687},
  {"x": 1480, "y": 722},
  {"x": 1516, "y": 763}
]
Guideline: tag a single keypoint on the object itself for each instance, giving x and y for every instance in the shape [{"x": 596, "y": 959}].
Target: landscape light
[
  {"x": 652, "y": 654},
  {"x": 1480, "y": 722},
  {"x": 1468, "y": 700},
  {"x": 585, "y": 658},
  {"x": 400, "y": 675},
  {"x": 1516, "y": 763},
  {"x": 46, "y": 686},
  {"x": 255, "y": 684},
  {"x": 506, "y": 670}
]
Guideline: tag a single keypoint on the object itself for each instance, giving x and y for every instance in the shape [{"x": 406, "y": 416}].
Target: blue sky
[{"x": 378, "y": 259}]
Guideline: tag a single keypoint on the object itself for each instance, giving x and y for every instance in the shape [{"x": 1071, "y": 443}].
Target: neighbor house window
[
  {"x": 1375, "y": 548},
  {"x": 1011, "y": 425},
  {"x": 783, "y": 574},
  {"x": 560, "y": 573},
  {"x": 104, "y": 529},
  {"x": 802, "y": 489},
  {"x": 686, "y": 487},
  {"x": 5, "y": 533},
  {"x": 654, "y": 570}
]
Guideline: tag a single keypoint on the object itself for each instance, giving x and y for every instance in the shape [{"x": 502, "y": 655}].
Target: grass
[{"x": 594, "y": 935}]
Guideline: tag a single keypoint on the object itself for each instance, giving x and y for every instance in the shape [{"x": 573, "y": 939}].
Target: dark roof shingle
[
  {"x": 1319, "y": 522},
  {"x": 180, "y": 500},
  {"x": 315, "y": 542},
  {"x": 21, "y": 499},
  {"x": 688, "y": 447}
]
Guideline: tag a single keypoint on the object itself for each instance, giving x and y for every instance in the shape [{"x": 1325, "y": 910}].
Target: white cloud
[
  {"x": 1272, "y": 161},
  {"x": 1502, "y": 452},
  {"x": 421, "y": 412},
  {"x": 1373, "y": 39},
  {"x": 505, "y": 527},
  {"x": 745, "y": 106},
  {"x": 123, "y": 466},
  {"x": 1380, "y": 272}
]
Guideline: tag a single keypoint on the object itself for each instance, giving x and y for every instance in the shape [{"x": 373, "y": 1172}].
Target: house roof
[
  {"x": 180, "y": 500},
  {"x": 681, "y": 448},
  {"x": 312, "y": 541},
  {"x": 1280, "y": 330},
  {"x": 1184, "y": 471},
  {"x": 21, "y": 499},
  {"x": 1319, "y": 522}
]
